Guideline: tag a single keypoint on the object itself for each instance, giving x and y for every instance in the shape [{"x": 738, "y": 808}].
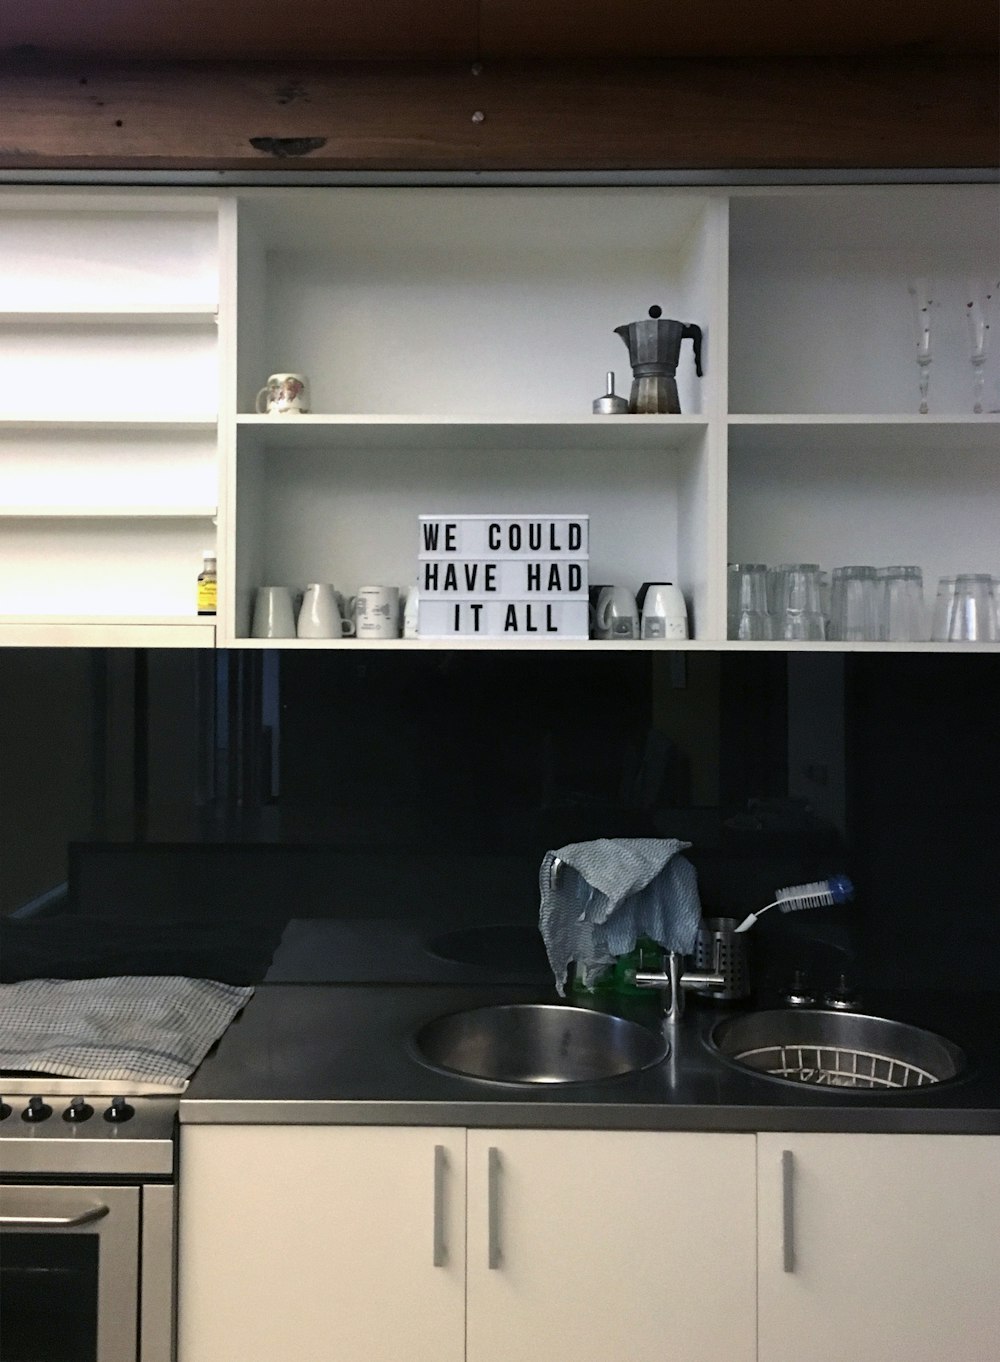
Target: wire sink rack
[{"x": 835, "y": 1066}]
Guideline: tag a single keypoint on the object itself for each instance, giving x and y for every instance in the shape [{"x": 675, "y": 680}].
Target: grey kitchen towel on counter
[
  {"x": 598, "y": 898},
  {"x": 127, "y": 1028}
]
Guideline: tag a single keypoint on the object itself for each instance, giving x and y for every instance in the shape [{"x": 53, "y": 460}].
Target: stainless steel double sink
[
  {"x": 541, "y": 1043},
  {"x": 552, "y": 1043}
]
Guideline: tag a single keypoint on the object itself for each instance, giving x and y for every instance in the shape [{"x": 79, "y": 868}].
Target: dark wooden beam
[
  {"x": 824, "y": 113},
  {"x": 487, "y": 30}
]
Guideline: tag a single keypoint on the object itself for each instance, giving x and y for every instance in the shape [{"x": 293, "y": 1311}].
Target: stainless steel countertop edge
[{"x": 517, "y": 1114}]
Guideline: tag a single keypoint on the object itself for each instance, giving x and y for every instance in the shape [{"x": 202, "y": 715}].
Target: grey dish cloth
[
  {"x": 609, "y": 893},
  {"x": 132, "y": 1028}
]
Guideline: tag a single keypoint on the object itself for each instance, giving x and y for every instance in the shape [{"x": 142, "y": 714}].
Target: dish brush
[{"x": 818, "y": 894}]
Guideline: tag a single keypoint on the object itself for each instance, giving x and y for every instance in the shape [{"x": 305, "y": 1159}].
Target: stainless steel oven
[{"x": 87, "y": 1222}]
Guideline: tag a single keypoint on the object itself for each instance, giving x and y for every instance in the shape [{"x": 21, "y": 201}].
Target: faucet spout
[{"x": 675, "y": 980}]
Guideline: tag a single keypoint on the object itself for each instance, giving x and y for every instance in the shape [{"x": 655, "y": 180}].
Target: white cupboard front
[
  {"x": 586, "y": 1245},
  {"x": 878, "y": 1248},
  {"x": 352, "y": 1242},
  {"x": 315, "y": 1242}
]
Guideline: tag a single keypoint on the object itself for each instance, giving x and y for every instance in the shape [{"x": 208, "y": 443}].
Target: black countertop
[{"x": 343, "y": 1054}]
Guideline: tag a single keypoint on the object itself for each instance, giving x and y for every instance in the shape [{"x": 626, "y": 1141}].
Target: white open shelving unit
[
  {"x": 109, "y": 416},
  {"x": 455, "y": 339}
]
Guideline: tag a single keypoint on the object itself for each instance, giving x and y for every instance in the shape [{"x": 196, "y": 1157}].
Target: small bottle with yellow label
[{"x": 208, "y": 584}]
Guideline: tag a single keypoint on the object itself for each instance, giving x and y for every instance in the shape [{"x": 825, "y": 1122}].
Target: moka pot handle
[{"x": 693, "y": 333}]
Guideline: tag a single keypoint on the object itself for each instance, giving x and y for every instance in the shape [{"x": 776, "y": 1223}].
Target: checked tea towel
[{"x": 128, "y": 1028}]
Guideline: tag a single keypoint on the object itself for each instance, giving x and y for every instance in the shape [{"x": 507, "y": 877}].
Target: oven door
[{"x": 69, "y": 1261}]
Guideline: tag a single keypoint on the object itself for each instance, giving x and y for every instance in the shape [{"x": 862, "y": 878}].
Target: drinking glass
[
  {"x": 854, "y": 613},
  {"x": 980, "y": 294},
  {"x": 747, "y": 602},
  {"x": 921, "y": 292},
  {"x": 944, "y": 603},
  {"x": 902, "y": 615},
  {"x": 801, "y": 617},
  {"x": 974, "y": 613}
]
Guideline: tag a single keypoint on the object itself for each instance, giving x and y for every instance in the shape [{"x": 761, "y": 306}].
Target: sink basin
[
  {"x": 843, "y": 1050},
  {"x": 537, "y": 1043},
  {"x": 506, "y": 947}
]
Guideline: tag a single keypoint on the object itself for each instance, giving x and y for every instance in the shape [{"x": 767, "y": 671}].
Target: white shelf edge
[
  {"x": 682, "y": 422},
  {"x": 128, "y": 621},
  {"x": 180, "y": 423},
  {"x": 457, "y": 644},
  {"x": 166, "y": 314},
  {"x": 104, "y": 632},
  {"x": 407, "y": 431},
  {"x": 108, "y": 512},
  {"x": 500, "y": 421},
  {"x": 838, "y": 646},
  {"x": 902, "y": 419},
  {"x": 599, "y": 645}
]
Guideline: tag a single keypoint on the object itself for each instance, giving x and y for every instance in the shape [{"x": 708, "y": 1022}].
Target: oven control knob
[
  {"x": 36, "y": 1110},
  {"x": 5, "y": 1109},
  {"x": 119, "y": 1111},
  {"x": 78, "y": 1110}
]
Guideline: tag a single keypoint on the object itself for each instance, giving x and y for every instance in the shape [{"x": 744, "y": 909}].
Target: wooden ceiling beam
[
  {"x": 823, "y": 113},
  {"x": 456, "y": 30}
]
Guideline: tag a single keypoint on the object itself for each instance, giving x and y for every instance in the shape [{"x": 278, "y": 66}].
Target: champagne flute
[
  {"x": 921, "y": 291},
  {"x": 980, "y": 294}
]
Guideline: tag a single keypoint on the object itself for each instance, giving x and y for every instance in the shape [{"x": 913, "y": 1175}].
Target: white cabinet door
[
  {"x": 879, "y": 1248},
  {"x": 588, "y": 1245},
  {"x": 315, "y": 1242}
]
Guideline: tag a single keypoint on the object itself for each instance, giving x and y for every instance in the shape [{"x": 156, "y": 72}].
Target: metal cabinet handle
[
  {"x": 440, "y": 1169},
  {"x": 52, "y": 1222},
  {"x": 788, "y": 1210},
  {"x": 493, "y": 1204}
]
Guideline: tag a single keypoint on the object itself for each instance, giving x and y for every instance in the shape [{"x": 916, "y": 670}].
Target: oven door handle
[{"x": 52, "y": 1222}]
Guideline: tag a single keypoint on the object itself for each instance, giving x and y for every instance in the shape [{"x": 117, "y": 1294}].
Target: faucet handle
[{"x": 674, "y": 979}]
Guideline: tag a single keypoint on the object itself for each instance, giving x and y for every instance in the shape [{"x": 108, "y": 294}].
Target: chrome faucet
[{"x": 675, "y": 979}]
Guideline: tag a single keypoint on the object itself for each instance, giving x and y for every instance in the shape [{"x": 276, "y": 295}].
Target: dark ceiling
[{"x": 327, "y": 30}]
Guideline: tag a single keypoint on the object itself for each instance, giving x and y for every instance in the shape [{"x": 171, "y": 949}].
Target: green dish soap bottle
[{"x": 618, "y": 980}]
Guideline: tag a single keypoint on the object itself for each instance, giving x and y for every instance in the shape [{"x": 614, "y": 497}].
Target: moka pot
[{"x": 654, "y": 348}]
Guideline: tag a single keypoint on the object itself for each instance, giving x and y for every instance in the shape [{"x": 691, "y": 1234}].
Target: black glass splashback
[{"x": 171, "y": 811}]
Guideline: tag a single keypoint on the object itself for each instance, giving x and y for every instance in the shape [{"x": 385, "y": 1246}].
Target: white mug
[
  {"x": 319, "y": 615},
  {"x": 664, "y": 612},
  {"x": 376, "y": 612},
  {"x": 411, "y": 613},
  {"x": 616, "y": 615},
  {"x": 273, "y": 613},
  {"x": 283, "y": 395}
]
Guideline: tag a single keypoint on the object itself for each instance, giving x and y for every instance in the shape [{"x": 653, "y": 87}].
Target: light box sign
[
  {"x": 503, "y": 576},
  {"x": 504, "y": 619},
  {"x": 513, "y": 578},
  {"x": 504, "y": 536}
]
